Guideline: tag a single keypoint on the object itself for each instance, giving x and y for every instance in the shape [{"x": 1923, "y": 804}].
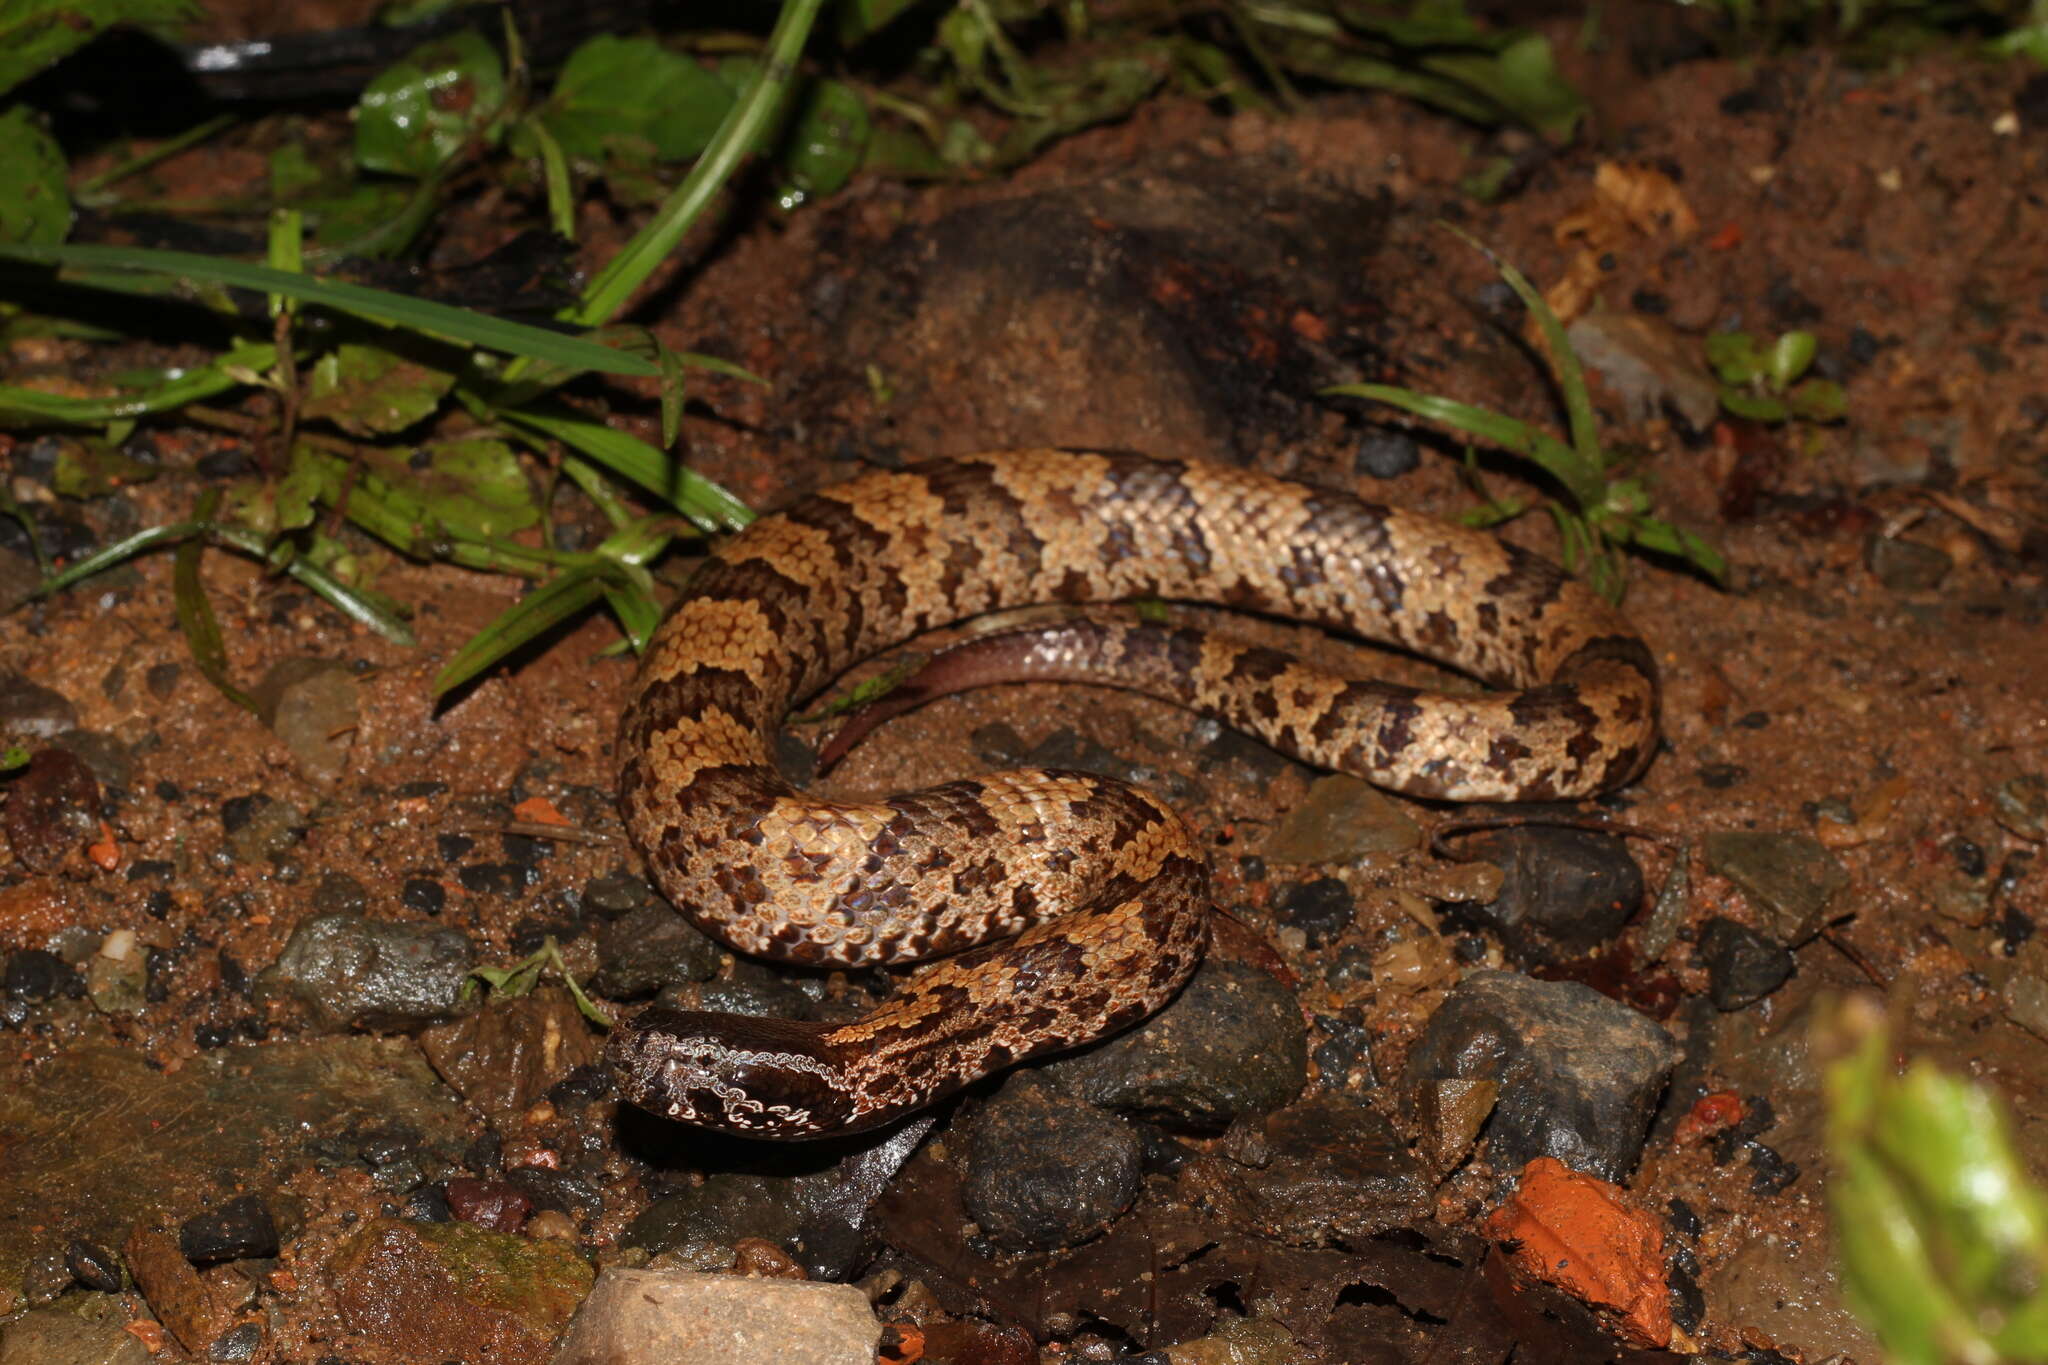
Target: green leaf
[
  {"x": 1789, "y": 356},
  {"x": 1819, "y": 400},
  {"x": 1755, "y": 406},
  {"x": 1510, "y": 434},
  {"x": 826, "y": 144},
  {"x": 12, "y": 757},
  {"x": 35, "y": 200},
  {"x": 195, "y": 613},
  {"x": 422, "y": 109},
  {"x": 400, "y": 310},
  {"x": 36, "y": 33},
  {"x": 369, "y": 391},
  {"x": 93, "y": 469},
  {"x": 614, "y": 88},
  {"x": 520, "y": 624},
  {"x": 32, "y": 407},
  {"x": 1734, "y": 358},
  {"x": 707, "y": 506}
]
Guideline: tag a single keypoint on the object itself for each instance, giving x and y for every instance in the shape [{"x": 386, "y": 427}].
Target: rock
[
  {"x": 1668, "y": 915},
  {"x": 1742, "y": 965},
  {"x": 98, "y": 1138},
  {"x": 1906, "y": 566},
  {"x": 1044, "y": 1170},
  {"x": 236, "y": 1230},
  {"x": 760, "y": 995},
  {"x": 1578, "y": 1073},
  {"x": 351, "y": 970},
  {"x": 698, "y": 1226},
  {"x": 52, "y": 1336},
  {"x": 1792, "y": 878},
  {"x": 505, "y": 1057},
  {"x": 259, "y": 827},
  {"x": 1231, "y": 1044},
  {"x": 1321, "y": 909},
  {"x": 1452, "y": 1113},
  {"x": 492, "y": 1205},
  {"x": 29, "y": 711},
  {"x": 238, "y": 1343},
  {"x": 1235, "y": 1341},
  {"x": 311, "y": 704},
  {"x": 34, "y": 974},
  {"x": 1329, "y": 1169},
  {"x": 337, "y": 893},
  {"x": 19, "y": 580},
  {"x": 1384, "y": 454},
  {"x": 93, "y": 1266},
  {"x": 652, "y": 947},
  {"x": 2021, "y": 805},
  {"x": 1785, "y": 1291},
  {"x": 1343, "y": 820},
  {"x": 2025, "y": 998},
  {"x": 117, "y": 976},
  {"x": 449, "y": 1291},
  {"x": 616, "y": 893},
  {"x": 680, "y": 1318},
  {"x": 1563, "y": 892},
  {"x": 173, "y": 1289},
  {"x": 52, "y": 810}
]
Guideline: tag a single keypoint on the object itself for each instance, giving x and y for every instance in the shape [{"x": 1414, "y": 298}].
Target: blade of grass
[
  {"x": 736, "y": 136},
  {"x": 1556, "y": 458},
  {"x": 23, "y": 407},
  {"x": 461, "y": 324},
  {"x": 317, "y": 580},
  {"x": 708, "y": 507},
  {"x": 195, "y": 612},
  {"x": 525, "y": 621},
  {"x": 125, "y": 548}
]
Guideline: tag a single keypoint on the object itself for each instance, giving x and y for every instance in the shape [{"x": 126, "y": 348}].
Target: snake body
[{"x": 1064, "y": 905}]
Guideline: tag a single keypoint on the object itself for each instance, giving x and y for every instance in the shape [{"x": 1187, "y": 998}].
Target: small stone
[
  {"x": 1453, "y": 1111},
  {"x": 52, "y": 810},
  {"x": 494, "y": 879},
  {"x": 237, "y": 1230},
  {"x": 36, "y": 975},
  {"x": 1578, "y": 1073},
  {"x": 58, "y": 1336},
  {"x": 238, "y": 1343},
  {"x": 1668, "y": 915},
  {"x": 1330, "y": 1168},
  {"x": 616, "y": 893},
  {"x": 449, "y": 1291},
  {"x": 117, "y": 976},
  {"x": 680, "y": 1318},
  {"x": 453, "y": 848},
  {"x": 697, "y": 1227},
  {"x": 340, "y": 894},
  {"x": 2021, "y": 805},
  {"x": 1386, "y": 454},
  {"x": 29, "y": 711},
  {"x": 260, "y": 828},
  {"x": 424, "y": 895},
  {"x": 1792, "y": 878},
  {"x": 1563, "y": 892},
  {"x": 2026, "y": 1002},
  {"x": 652, "y": 947},
  {"x": 1044, "y": 1170},
  {"x": 173, "y": 1289},
  {"x": 490, "y": 1204},
  {"x": 93, "y": 1266},
  {"x": 351, "y": 970},
  {"x": 103, "y": 755},
  {"x": 1742, "y": 965},
  {"x": 1321, "y": 909},
  {"x": 1906, "y": 566},
  {"x": 1231, "y": 1044},
  {"x": 1343, "y": 820},
  {"x": 312, "y": 705}
]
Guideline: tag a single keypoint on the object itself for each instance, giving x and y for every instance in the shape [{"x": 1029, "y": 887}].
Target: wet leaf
[
  {"x": 369, "y": 391},
  {"x": 827, "y": 143},
  {"x": 26, "y": 407},
  {"x": 633, "y": 88},
  {"x": 347, "y": 217},
  {"x": 36, "y": 33},
  {"x": 422, "y": 109},
  {"x": 195, "y": 613},
  {"x": 35, "y": 202},
  {"x": 93, "y": 469}
]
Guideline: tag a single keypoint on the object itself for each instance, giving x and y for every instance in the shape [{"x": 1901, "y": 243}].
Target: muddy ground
[{"x": 1182, "y": 283}]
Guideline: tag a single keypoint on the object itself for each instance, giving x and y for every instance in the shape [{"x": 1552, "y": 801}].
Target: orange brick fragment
[
  {"x": 1575, "y": 1232},
  {"x": 538, "y": 810}
]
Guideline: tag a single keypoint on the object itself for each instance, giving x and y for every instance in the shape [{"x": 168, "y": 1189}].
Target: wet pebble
[
  {"x": 1578, "y": 1073},
  {"x": 490, "y": 1204},
  {"x": 450, "y": 1291},
  {"x": 311, "y": 704},
  {"x": 1384, "y": 454},
  {"x": 505, "y": 880},
  {"x": 337, "y": 893},
  {"x": 93, "y": 1266},
  {"x": 351, "y": 970},
  {"x": 239, "y": 1229},
  {"x": 1043, "y": 1170},
  {"x": 1231, "y": 1044},
  {"x": 1742, "y": 965},
  {"x": 681, "y": 1318},
  {"x": 30, "y": 711},
  {"x": 36, "y": 975},
  {"x": 1321, "y": 909},
  {"x": 616, "y": 893},
  {"x": 1328, "y": 1167},
  {"x": 1906, "y": 566},
  {"x": 1791, "y": 878},
  {"x": 172, "y": 1288},
  {"x": 652, "y": 947},
  {"x": 260, "y": 827},
  {"x": 423, "y": 894},
  {"x": 240, "y": 1342},
  {"x": 1342, "y": 820},
  {"x": 1563, "y": 892},
  {"x": 52, "y": 809},
  {"x": 117, "y": 977}
]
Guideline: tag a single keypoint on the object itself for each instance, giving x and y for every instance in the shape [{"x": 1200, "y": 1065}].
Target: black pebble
[
  {"x": 494, "y": 879},
  {"x": 237, "y": 811},
  {"x": 616, "y": 893},
  {"x": 1386, "y": 455},
  {"x": 237, "y": 1230},
  {"x": 151, "y": 869},
  {"x": 424, "y": 894},
  {"x": 1742, "y": 965},
  {"x": 1321, "y": 909},
  {"x": 453, "y": 847},
  {"x": 417, "y": 791},
  {"x": 158, "y": 903},
  {"x": 34, "y": 974},
  {"x": 1969, "y": 857},
  {"x": 93, "y": 1266},
  {"x": 429, "y": 1204}
]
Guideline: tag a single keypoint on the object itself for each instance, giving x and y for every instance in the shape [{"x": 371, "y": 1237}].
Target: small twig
[
  {"x": 1452, "y": 829},
  {"x": 1856, "y": 957},
  {"x": 568, "y": 834}
]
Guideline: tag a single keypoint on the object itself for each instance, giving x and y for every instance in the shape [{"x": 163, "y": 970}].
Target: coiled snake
[{"x": 1098, "y": 892}]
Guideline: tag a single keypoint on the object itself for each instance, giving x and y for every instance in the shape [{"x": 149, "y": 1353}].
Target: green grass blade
[
  {"x": 317, "y": 580},
  {"x": 29, "y": 407},
  {"x": 195, "y": 613},
  {"x": 1556, "y": 458},
  {"x": 707, "y": 506},
  {"x": 125, "y": 548},
  {"x": 525, "y": 621},
  {"x": 750, "y": 114},
  {"x": 461, "y": 324}
]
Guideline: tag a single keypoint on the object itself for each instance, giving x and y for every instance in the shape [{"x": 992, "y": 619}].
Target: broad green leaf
[
  {"x": 613, "y": 88},
  {"x": 35, "y": 200},
  {"x": 369, "y": 391},
  {"x": 351, "y": 215},
  {"x": 420, "y": 111},
  {"x": 1734, "y": 357},
  {"x": 1755, "y": 406},
  {"x": 36, "y": 33},
  {"x": 437, "y": 319}
]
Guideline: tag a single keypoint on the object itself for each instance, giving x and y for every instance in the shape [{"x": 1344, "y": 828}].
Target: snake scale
[{"x": 1063, "y": 906}]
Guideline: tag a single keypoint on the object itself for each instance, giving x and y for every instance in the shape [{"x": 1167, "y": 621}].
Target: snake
[{"x": 1053, "y": 908}]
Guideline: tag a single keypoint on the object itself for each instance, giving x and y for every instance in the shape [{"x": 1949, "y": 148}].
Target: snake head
[{"x": 761, "y": 1078}]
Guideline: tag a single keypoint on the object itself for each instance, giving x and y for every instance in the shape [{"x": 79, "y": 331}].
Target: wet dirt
[{"x": 1185, "y": 284}]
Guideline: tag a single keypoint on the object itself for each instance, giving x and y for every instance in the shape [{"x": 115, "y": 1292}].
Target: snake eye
[{"x": 767, "y": 1078}]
